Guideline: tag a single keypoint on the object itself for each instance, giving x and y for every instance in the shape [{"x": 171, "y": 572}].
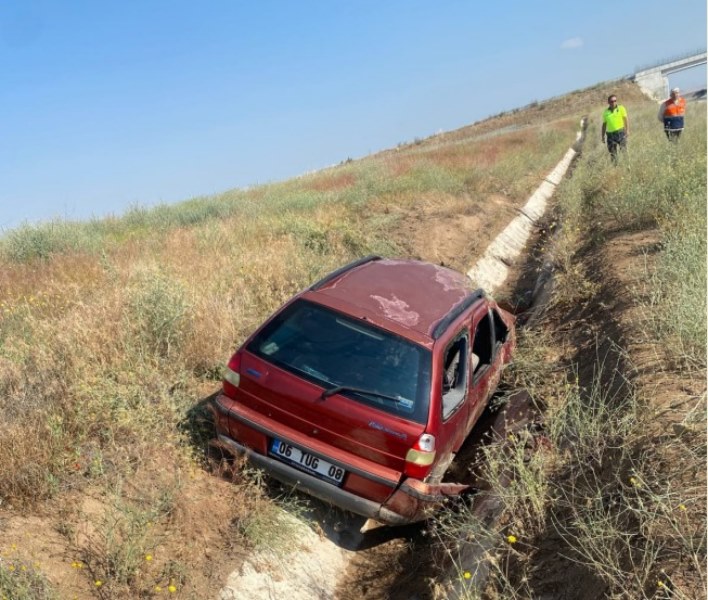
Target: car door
[
  {"x": 485, "y": 363},
  {"x": 455, "y": 388}
]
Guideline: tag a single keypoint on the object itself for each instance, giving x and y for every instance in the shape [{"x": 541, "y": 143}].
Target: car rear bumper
[
  {"x": 408, "y": 502},
  {"x": 314, "y": 486}
]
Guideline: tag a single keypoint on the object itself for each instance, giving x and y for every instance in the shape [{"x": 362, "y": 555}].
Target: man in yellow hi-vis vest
[{"x": 615, "y": 126}]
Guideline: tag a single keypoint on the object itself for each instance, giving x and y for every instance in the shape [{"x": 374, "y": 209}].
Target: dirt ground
[
  {"x": 405, "y": 567},
  {"x": 400, "y": 563},
  {"x": 386, "y": 562},
  {"x": 61, "y": 547},
  {"x": 394, "y": 563},
  {"x": 429, "y": 231}
]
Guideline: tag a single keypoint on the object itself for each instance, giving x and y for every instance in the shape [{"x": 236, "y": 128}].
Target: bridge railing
[{"x": 666, "y": 61}]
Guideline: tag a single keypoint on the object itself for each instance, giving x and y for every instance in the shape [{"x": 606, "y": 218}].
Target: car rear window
[{"x": 332, "y": 349}]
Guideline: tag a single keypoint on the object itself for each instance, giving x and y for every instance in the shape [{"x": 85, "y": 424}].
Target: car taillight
[
  {"x": 420, "y": 457},
  {"x": 232, "y": 376}
]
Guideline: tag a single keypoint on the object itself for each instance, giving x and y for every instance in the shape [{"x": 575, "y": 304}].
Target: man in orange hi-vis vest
[{"x": 671, "y": 114}]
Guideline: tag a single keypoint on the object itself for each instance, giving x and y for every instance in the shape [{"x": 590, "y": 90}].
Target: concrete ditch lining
[{"x": 492, "y": 270}]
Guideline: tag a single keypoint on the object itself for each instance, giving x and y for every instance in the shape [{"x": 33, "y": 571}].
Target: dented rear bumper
[
  {"x": 412, "y": 501},
  {"x": 415, "y": 500}
]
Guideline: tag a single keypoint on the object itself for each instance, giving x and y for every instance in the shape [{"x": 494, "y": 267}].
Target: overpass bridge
[{"x": 654, "y": 81}]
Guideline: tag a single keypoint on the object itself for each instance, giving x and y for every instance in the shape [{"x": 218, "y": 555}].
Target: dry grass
[
  {"x": 112, "y": 332},
  {"x": 616, "y": 500}
]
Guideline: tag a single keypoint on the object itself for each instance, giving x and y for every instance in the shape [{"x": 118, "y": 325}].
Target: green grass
[
  {"x": 515, "y": 173},
  {"x": 22, "y": 580},
  {"x": 658, "y": 186},
  {"x": 622, "y": 486},
  {"x": 112, "y": 330}
]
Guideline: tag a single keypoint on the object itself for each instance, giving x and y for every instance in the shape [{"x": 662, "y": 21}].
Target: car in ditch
[{"x": 361, "y": 389}]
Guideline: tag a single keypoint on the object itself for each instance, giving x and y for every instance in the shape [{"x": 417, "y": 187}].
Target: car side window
[
  {"x": 482, "y": 347},
  {"x": 455, "y": 373},
  {"x": 501, "y": 331}
]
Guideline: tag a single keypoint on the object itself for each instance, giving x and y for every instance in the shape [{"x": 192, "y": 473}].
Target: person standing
[
  {"x": 671, "y": 114},
  {"x": 615, "y": 126}
]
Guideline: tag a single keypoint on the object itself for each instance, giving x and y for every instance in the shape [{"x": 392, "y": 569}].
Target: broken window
[
  {"x": 489, "y": 336},
  {"x": 501, "y": 331},
  {"x": 455, "y": 375},
  {"x": 482, "y": 348}
]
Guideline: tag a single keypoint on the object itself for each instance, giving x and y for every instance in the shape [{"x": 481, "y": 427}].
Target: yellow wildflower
[
  {"x": 511, "y": 539},
  {"x": 98, "y": 583},
  {"x": 467, "y": 575},
  {"x": 148, "y": 557}
]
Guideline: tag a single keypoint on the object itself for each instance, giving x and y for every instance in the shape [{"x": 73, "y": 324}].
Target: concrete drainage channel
[
  {"x": 493, "y": 268},
  {"x": 489, "y": 273},
  {"x": 312, "y": 570}
]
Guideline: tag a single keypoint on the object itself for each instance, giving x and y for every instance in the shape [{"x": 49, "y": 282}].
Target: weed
[
  {"x": 22, "y": 580},
  {"x": 517, "y": 476},
  {"x": 627, "y": 505},
  {"x": 110, "y": 330},
  {"x": 158, "y": 309},
  {"x": 268, "y": 525},
  {"x": 40, "y": 242},
  {"x": 120, "y": 551}
]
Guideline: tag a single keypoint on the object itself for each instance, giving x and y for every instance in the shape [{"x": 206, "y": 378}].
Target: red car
[{"x": 361, "y": 389}]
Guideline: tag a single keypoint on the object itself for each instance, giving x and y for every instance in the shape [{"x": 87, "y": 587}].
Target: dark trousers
[
  {"x": 673, "y": 126},
  {"x": 616, "y": 140}
]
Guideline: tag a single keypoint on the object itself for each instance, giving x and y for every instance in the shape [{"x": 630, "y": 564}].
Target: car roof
[{"x": 409, "y": 297}]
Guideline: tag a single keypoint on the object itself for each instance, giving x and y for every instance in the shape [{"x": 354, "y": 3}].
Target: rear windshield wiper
[{"x": 356, "y": 390}]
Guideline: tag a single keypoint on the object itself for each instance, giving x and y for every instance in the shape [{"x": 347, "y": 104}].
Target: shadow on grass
[{"x": 198, "y": 427}]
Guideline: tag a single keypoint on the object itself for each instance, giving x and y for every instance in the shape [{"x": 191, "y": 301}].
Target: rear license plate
[{"x": 305, "y": 461}]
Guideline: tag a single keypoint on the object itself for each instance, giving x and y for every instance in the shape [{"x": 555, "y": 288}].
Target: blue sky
[{"x": 107, "y": 105}]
